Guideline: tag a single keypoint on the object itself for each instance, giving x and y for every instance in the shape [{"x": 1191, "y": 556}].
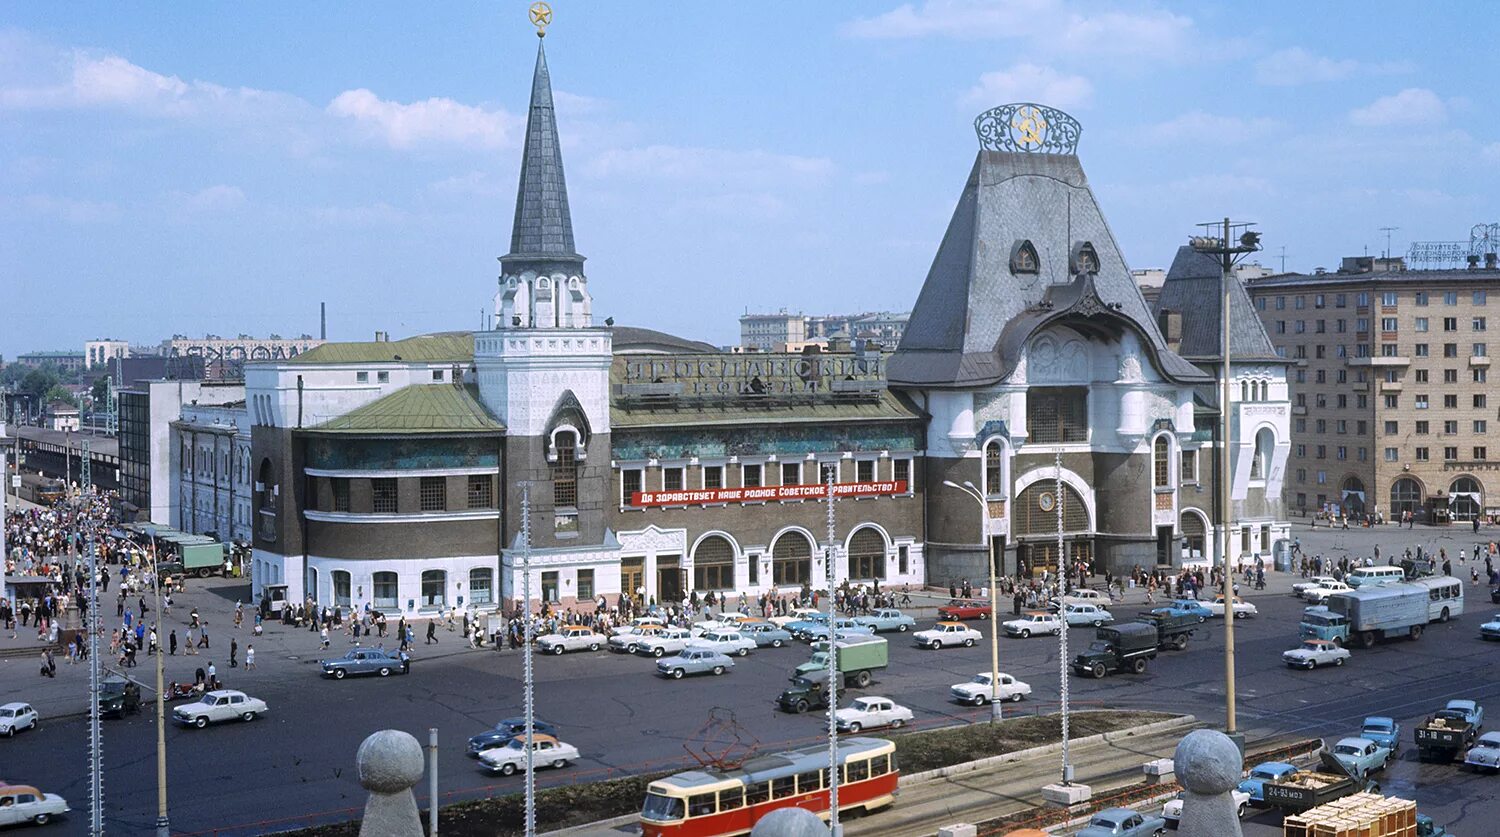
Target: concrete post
[
  {"x": 790, "y": 822},
  {"x": 1209, "y": 765},
  {"x": 390, "y": 764}
]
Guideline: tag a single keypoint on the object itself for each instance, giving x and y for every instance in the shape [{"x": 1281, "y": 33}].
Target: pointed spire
[{"x": 543, "y": 229}]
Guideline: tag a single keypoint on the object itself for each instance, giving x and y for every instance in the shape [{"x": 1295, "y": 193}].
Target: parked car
[
  {"x": 964, "y": 609},
  {"x": 888, "y": 619},
  {"x": 725, "y": 641},
  {"x": 1473, "y": 712},
  {"x": 359, "y": 661},
  {"x": 1181, "y": 607},
  {"x": 1172, "y": 811},
  {"x": 1033, "y": 622},
  {"x": 1382, "y": 730},
  {"x": 663, "y": 642},
  {"x": 118, "y": 696},
  {"x": 505, "y": 731},
  {"x": 842, "y": 629},
  {"x": 15, "y": 717},
  {"x": 570, "y": 638},
  {"x": 511, "y": 757},
  {"x": 1485, "y": 754},
  {"x": 978, "y": 691},
  {"x": 1361, "y": 755},
  {"x": 1490, "y": 629},
  {"x": 1123, "y": 822},
  {"x": 871, "y": 712},
  {"x": 694, "y": 661},
  {"x": 807, "y": 622},
  {"x": 1263, "y": 773},
  {"x": 948, "y": 633},
  {"x": 221, "y": 705},
  {"x": 1087, "y": 614},
  {"x": 1316, "y": 652},
  {"x": 796, "y": 614},
  {"x": 1319, "y": 593},
  {"x": 766, "y": 634},
  {"x": 636, "y": 623},
  {"x": 630, "y": 640},
  {"x": 24, "y": 803},
  {"x": 1303, "y": 586},
  {"x": 1242, "y": 608}
]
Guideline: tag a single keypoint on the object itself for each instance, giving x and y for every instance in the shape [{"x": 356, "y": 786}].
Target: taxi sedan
[
  {"x": 570, "y": 638},
  {"x": 1034, "y": 622},
  {"x": 511, "y": 758},
  {"x": 871, "y": 712},
  {"x": 944, "y": 634}
]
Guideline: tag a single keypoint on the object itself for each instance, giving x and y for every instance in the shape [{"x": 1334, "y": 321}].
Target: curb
[
  {"x": 593, "y": 827},
  {"x": 1044, "y": 749}
]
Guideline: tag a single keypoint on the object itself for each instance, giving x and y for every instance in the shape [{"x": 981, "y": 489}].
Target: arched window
[
  {"x": 1244, "y": 391},
  {"x": 341, "y": 589},
  {"x": 1465, "y": 498},
  {"x": 713, "y": 564},
  {"x": 1406, "y": 496},
  {"x": 1191, "y": 526},
  {"x": 267, "y": 480},
  {"x": 1265, "y": 443},
  {"x": 1161, "y": 462},
  {"x": 434, "y": 588},
  {"x": 994, "y": 470},
  {"x": 1023, "y": 258},
  {"x": 1352, "y": 493},
  {"x": 387, "y": 591},
  {"x": 1265, "y": 391},
  {"x": 1036, "y": 510},
  {"x": 1084, "y": 258},
  {"x": 565, "y": 470},
  {"x": 791, "y": 560},
  {"x": 481, "y": 586},
  {"x": 867, "y": 554},
  {"x": 312, "y": 585}
]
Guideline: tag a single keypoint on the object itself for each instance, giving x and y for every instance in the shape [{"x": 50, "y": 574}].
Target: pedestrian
[
  {"x": 213, "y": 675},
  {"x": 249, "y": 658},
  {"x": 234, "y": 650},
  {"x": 431, "y": 631},
  {"x": 323, "y": 637},
  {"x": 172, "y": 643},
  {"x": 203, "y": 637}
]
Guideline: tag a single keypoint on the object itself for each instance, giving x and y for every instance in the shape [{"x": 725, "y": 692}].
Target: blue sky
[{"x": 195, "y": 167}]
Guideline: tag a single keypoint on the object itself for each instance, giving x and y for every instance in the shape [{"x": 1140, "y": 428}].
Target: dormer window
[
  {"x": 1023, "y": 258},
  {"x": 1084, "y": 259}
]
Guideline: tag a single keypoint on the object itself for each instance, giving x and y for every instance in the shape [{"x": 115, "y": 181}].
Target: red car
[{"x": 964, "y": 609}]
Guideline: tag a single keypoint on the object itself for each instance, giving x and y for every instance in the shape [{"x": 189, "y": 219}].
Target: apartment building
[{"x": 1390, "y": 386}]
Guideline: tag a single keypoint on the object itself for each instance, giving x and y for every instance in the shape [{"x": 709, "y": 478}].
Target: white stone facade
[{"x": 211, "y": 469}]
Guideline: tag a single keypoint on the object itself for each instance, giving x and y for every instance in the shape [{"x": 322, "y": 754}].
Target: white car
[
  {"x": 978, "y": 691},
  {"x": 1303, "y": 586},
  {"x": 1319, "y": 593},
  {"x": 1084, "y": 595},
  {"x": 222, "y": 705},
  {"x": 15, "y": 717},
  {"x": 570, "y": 638},
  {"x": 509, "y": 759},
  {"x": 1172, "y": 811},
  {"x": 871, "y": 712},
  {"x": 1242, "y": 608},
  {"x": 24, "y": 803},
  {"x": 1034, "y": 622},
  {"x": 636, "y": 623},
  {"x": 948, "y": 633},
  {"x": 664, "y": 642},
  {"x": 1087, "y": 614},
  {"x": 632, "y": 639},
  {"x": 725, "y": 641},
  {"x": 796, "y": 614},
  {"x": 1485, "y": 754},
  {"x": 1315, "y": 652}
]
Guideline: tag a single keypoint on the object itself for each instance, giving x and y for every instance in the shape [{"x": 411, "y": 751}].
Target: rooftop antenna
[
  {"x": 1388, "y": 231},
  {"x": 1283, "y": 258}
]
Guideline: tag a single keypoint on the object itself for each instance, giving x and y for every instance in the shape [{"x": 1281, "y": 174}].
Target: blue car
[
  {"x": 1184, "y": 607},
  {"x": 359, "y": 661},
  {"x": 1123, "y": 822},
  {"x": 1383, "y": 731},
  {"x": 765, "y": 634},
  {"x": 802, "y": 626},
  {"x": 1270, "y": 771},
  {"x": 843, "y": 628},
  {"x": 888, "y": 619},
  {"x": 505, "y": 731}
]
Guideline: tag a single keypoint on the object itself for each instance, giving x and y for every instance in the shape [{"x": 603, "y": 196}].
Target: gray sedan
[
  {"x": 364, "y": 661},
  {"x": 766, "y": 634},
  {"x": 887, "y": 619},
  {"x": 694, "y": 661}
]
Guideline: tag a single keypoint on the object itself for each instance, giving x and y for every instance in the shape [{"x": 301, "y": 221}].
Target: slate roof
[
  {"x": 420, "y": 409},
  {"x": 974, "y": 316},
  {"x": 543, "y": 229},
  {"x": 1193, "y": 289},
  {"x": 631, "y": 340},
  {"x": 441, "y": 347}
]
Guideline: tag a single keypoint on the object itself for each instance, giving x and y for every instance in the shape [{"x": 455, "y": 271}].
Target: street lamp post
[
  {"x": 1223, "y": 247},
  {"x": 526, "y": 627},
  {"x": 834, "y": 765},
  {"x": 988, "y": 542},
  {"x": 163, "y": 824}
]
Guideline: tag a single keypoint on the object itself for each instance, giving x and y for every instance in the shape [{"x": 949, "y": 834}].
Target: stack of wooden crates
[{"x": 1360, "y": 815}]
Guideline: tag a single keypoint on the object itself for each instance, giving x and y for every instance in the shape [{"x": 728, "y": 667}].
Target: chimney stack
[{"x": 322, "y": 321}]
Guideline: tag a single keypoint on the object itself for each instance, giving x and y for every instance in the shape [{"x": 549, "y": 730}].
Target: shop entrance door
[
  {"x": 668, "y": 579},
  {"x": 633, "y": 578}
]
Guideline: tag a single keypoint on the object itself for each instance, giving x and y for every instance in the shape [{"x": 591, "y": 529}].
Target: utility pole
[
  {"x": 1063, "y": 583},
  {"x": 834, "y": 765},
  {"x": 163, "y": 823},
  {"x": 987, "y": 543},
  {"x": 96, "y": 730},
  {"x": 526, "y": 672}
]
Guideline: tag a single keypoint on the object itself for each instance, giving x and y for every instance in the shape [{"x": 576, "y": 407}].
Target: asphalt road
[{"x": 297, "y": 763}]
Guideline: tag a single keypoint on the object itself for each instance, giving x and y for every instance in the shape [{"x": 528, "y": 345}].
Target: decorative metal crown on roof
[{"x": 1028, "y": 128}]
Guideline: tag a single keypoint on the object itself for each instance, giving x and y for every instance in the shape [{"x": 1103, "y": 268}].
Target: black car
[
  {"x": 118, "y": 696},
  {"x": 505, "y": 731}
]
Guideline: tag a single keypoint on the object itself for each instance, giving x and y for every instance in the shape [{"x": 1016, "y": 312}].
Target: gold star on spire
[{"x": 541, "y": 17}]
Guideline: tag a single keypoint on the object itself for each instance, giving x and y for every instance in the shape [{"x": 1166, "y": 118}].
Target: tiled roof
[
  {"x": 888, "y": 407},
  {"x": 1193, "y": 289},
  {"x": 443, "y": 347},
  {"x": 420, "y": 409},
  {"x": 543, "y": 229}
]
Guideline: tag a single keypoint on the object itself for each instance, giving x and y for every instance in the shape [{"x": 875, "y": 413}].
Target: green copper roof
[
  {"x": 733, "y": 412},
  {"x": 443, "y": 347},
  {"x": 425, "y": 408}
]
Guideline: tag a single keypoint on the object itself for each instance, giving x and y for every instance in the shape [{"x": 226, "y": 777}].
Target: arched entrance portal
[
  {"x": 1036, "y": 524},
  {"x": 1406, "y": 496},
  {"x": 1465, "y": 498},
  {"x": 1352, "y": 496}
]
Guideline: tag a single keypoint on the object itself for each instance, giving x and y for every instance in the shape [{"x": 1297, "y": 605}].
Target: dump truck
[
  {"x": 1127, "y": 645},
  {"x": 1172, "y": 630},
  {"x": 1447, "y": 732},
  {"x": 858, "y": 659},
  {"x": 1307, "y": 789},
  {"x": 1371, "y": 613}
]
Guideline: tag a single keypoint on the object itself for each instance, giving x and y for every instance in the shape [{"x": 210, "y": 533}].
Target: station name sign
[
  {"x": 745, "y": 374},
  {"x": 768, "y": 493}
]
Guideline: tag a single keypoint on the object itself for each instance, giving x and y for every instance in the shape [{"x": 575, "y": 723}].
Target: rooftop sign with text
[{"x": 764, "y": 494}]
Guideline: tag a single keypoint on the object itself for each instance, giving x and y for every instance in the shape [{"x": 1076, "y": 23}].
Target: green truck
[
  {"x": 1126, "y": 646},
  {"x": 858, "y": 659},
  {"x": 808, "y": 691},
  {"x": 202, "y": 559}
]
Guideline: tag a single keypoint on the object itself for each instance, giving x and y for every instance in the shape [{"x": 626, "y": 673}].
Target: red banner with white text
[{"x": 768, "y": 493}]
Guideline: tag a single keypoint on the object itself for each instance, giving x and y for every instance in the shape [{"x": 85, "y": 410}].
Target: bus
[
  {"x": 1445, "y": 596},
  {"x": 710, "y": 803}
]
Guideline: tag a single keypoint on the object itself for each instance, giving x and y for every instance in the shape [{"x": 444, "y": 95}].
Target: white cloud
[
  {"x": 435, "y": 120},
  {"x": 71, "y": 210},
  {"x": 1412, "y": 106},
  {"x": 1200, "y": 126},
  {"x": 1296, "y": 65},
  {"x": 220, "y": 198},
  {"x": 707, "y": 165},
  {"x": 1030, "y": 83}
]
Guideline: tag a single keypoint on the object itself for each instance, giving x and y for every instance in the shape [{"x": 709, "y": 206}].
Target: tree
[
  {"x": 37, "y": 382},
  {"x": 100, "y": 390},
  {"x": 60, "y": 393}
]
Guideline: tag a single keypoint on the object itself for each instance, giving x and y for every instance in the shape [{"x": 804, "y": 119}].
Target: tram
[{"x": 42, "y": 490}]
